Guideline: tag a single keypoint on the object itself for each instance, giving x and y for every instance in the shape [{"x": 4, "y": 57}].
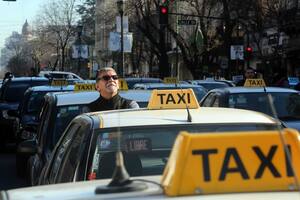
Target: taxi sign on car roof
[
  {"x": 59, "y": 82},
  {"x": 255, "y": 83},
  {"x": 171, "y": 80},
  {"x": 84, "y": 87},
  {"x": 172, "y": 99},
  {"x": 230, "y": 162},
  {"x": 123, "y": 84}
]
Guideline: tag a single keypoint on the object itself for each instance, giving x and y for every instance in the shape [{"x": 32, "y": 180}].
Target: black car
[
  {"x": 11, "y": 94},
  {"x": 27, "y": 118}
]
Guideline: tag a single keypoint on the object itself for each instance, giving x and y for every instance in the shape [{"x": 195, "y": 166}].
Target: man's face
[
  {"x": 108, "y": 83},
  {"x": 249, "y": 74}
]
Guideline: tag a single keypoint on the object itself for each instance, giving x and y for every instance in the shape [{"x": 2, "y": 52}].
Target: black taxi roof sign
[
  {"x": 254, "y": 83},
  {"x": 173, "y": 99},
  {"x": 250, "y": 161},
  {"x": 123, "y": 84},
  {"x": 84, "y": 87},
  {"x": 59, "y": 82}
]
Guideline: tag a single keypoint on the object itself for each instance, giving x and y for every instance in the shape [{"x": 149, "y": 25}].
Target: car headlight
[{"x": 6, "y": 116}]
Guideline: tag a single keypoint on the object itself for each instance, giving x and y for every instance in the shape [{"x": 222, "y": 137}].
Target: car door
[{"x": 37, "y": 161}]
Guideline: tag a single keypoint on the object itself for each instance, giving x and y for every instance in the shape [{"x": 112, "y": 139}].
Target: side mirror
[{"x": 27, "y": 147}]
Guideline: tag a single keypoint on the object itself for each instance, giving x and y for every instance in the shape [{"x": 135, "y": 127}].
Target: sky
[{"x": 14, "y": 14}]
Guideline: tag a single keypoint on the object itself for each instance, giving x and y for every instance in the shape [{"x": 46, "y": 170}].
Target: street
[{"x": 8, "y": 177}]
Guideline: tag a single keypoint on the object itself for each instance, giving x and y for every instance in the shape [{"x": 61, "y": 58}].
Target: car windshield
[
  {"x": 286, "y": 104},
  {"x": 64, "y": 115},
  {"x": 35, "y": 102},
  {"x": 146, "y": 149}
]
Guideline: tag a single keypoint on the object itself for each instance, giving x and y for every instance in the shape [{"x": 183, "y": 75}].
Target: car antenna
[
  {"x": 283, "y": 140},
  {"x": 189, "y": 116},
  {"x": 120, "y": 181}
]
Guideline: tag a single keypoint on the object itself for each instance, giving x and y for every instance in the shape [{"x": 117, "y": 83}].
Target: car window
[
  {"x": 207, "y": 102},
  {"x": 216, "y": 102},
  {"x": 72, "y": 156},
  {"x": 35, "y": 102},
  {"x": 63, "y": 116},
  {"x": 146, "y": 149},
  {"x": 61, "y": 150},
  {"x": 286, "y": 104}
]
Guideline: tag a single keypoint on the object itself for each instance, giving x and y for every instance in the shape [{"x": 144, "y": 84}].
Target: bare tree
[{"x": 57, "y": 19}]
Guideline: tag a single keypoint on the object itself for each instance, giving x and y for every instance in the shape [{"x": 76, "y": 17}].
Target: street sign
[
  {"x": 187, "y": 22},
  {"x": 237, "y": 52},
  {"x": 115, "y": 40},
  {"x": 80, "y": 51},
  {"x": 125, "y": 24}
]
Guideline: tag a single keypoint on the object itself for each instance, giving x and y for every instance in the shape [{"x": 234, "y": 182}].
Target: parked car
[
  {"x": 11, "y": 94},
  {"x": 60, "y": 75}
]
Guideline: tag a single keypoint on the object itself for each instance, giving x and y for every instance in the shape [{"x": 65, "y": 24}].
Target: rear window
[{"x": 287, "y": 105}]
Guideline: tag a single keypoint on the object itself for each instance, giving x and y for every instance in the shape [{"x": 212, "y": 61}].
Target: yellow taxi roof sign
[
  {"x": 84, "y": 87},
  {"x": 123, "y": 84},
  {"x": 59, "y": 82},
  {"x": 254, "y": 83},
  {"x": 250, "y": 161},
  {"x": 173, "y": 99},
  {"x": 170, "y": 80}
]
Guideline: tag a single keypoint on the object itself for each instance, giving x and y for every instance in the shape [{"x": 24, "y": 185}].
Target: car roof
[
  {"x": 51, "y": 88},
  {"x": 168, "y": 85},
  {"x": 86, "y": 190},
  {"x": 203, "y": 115},
  {"x": 74, "y": 98},
  {"x": 136, "y": 95},
  {"x": 255, "y": 89},
  {"x": 24, "y": 79},
  {"x": 142, "y": 78}
]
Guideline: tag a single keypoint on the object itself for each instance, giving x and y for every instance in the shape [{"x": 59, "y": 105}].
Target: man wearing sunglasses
[{"x": 107, "y": 85}]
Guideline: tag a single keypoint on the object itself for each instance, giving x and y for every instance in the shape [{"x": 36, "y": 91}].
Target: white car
[{"x": 60, "y": 75}]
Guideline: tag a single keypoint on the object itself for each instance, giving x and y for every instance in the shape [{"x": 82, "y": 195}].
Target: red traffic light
[
  {"x": 249, "y": 49},
  {"x": 163, "y": 10}
]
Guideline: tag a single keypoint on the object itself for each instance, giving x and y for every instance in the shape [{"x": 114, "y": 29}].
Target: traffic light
[
  {"x": 248, "y": 53},
  {"x": 163, "y": 15}
]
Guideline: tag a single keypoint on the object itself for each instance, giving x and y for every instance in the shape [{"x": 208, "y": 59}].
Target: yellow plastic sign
[
  {"x": 59, "y": 82},
  {"x": 123, "y": 84},
  {"x": 171, "y": 80},
  {"x": 84, "y": 87},
  {"x": 173, "y": 99},
  {"x": 254, "y": 83},
  {"x": 250, "y": 161}
]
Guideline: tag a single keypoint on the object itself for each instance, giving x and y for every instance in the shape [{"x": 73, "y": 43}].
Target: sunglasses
[{"x": 107, "y": 77}]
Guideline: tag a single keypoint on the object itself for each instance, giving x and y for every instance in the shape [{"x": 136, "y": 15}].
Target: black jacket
[{"x": 117, "y": 102}]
